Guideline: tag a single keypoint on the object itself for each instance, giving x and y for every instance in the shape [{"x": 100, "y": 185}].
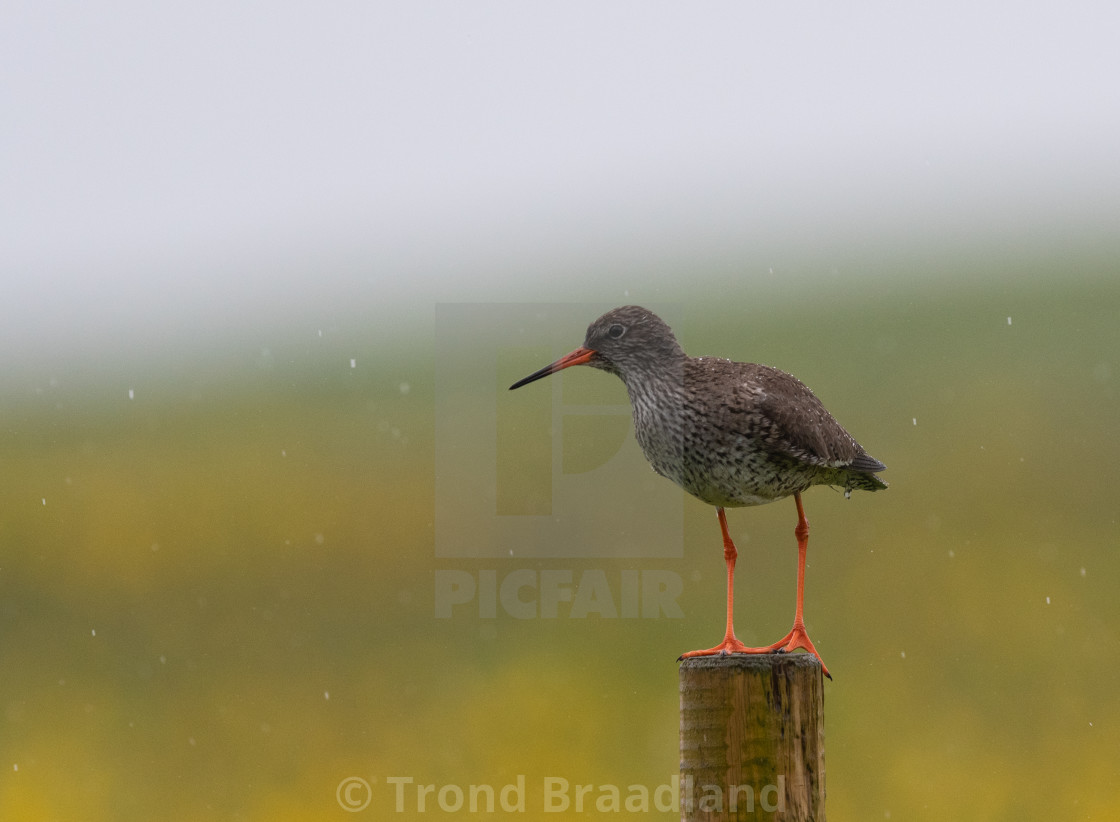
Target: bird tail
[{"x": 863, "y": 482}]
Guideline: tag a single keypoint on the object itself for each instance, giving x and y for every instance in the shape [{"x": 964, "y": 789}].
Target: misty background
[{"x": 181, "y": 170}]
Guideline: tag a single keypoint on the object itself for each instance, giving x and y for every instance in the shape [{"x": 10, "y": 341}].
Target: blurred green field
[{"x": 216, "y": 597}]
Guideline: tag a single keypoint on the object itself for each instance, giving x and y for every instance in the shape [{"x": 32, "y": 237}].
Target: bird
[{"x": 731, "y": 434}]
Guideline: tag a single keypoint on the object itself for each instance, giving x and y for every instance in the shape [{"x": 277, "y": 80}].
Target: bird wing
[
  {"x": 788, "y": 419},
  {"x": 803, "y": 428}
]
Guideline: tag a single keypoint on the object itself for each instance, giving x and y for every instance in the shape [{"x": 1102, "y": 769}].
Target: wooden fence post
[{"x": 752, "y": 738}]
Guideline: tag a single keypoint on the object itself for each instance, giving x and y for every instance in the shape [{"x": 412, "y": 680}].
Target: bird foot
[
  {"x": 797, "y": 638},
  {"x": 730, "y": 645}
]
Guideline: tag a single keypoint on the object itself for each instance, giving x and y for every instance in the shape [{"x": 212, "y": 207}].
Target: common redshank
[{"x": 731, "y": 434}]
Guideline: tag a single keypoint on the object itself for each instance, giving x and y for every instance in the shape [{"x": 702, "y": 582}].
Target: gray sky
[{"x": 167, "y": 164}]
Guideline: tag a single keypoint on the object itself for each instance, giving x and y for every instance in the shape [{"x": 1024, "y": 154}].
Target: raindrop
[
  {"x": 914, "y": 420},
  {"x": 353, "y": 363},
  {"x": 1009, "y": 321},
  {"x": 131, "y": 394},
  {"x": 1047, "y": 600},
  {"x": 405, "y": 388},
  {"x": 327, "y": 695},
  {"x": 1082, "y": 572}
]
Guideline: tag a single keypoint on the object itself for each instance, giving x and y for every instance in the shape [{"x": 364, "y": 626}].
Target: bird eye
[{"x": 616, "y": 331}]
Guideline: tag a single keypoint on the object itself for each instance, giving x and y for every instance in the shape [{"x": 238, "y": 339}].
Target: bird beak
[{"x": 581, "y": 356}]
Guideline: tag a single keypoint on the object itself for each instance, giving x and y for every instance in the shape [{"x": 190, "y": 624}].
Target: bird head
[{"x": 624, "y": 341}]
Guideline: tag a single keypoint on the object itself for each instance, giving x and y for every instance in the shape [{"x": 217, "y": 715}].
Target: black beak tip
[
  {"x": 536, "y": 375},
  {"x": 526, "y": 380}
]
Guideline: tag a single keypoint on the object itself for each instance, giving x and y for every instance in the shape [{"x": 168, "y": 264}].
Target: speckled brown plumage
[{"x": 731, "y": 434}]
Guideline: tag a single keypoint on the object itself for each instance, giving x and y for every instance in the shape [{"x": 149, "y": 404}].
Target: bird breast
[{"x": 719, "y": 464}]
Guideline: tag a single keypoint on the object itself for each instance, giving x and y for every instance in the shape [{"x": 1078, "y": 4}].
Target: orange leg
[
  {"x": 730, "y": 644},
  {"x": 797, "y": 637}
]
